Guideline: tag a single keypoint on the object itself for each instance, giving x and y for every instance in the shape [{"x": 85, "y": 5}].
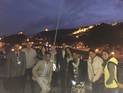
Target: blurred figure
[
  {"x": 68, "y": 59},
  {"x": 68, "y": 55},
  {"x": 110, "y": 72},
  {"x": 31, "y": 60},
  {"x": 3, "y": 60},
  {"x": 119, "y": 56},
  {"x": 16, "y": 62},
  {"x": 42, "y": 73},
  {"x": 95, "y": 72},
  {"x": 61, "y": 66},
  {"x": 3, "y": 63}
]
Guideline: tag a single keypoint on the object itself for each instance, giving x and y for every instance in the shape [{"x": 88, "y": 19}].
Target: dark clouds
[{"x": 33, "y": 15}]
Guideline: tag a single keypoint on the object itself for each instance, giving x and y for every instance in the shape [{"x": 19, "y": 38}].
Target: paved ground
[
  {"x": 37, "y": 88},
  {"x": 27, "y": 88}
]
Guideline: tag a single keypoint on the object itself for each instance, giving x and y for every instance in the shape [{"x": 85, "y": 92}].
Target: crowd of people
[{"x": 57, "y": 67}]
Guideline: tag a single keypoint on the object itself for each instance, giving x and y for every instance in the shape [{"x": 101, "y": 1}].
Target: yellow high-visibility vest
[{"x": 114, "y": 83}]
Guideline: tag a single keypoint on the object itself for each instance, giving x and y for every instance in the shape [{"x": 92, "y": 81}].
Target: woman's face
[
  {"x": 68, "y": 50},
  {"x": 92, "y": 54},
  {"x": 105, "y": 55}
]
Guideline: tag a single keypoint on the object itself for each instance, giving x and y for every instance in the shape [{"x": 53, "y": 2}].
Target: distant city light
[
  {"x": 40, "y": 42},
  {"x": 32, "y": 42},
  {"x": 54, "y": 67},
  {"x": 82, "y": 30},
  {"x": 27, "y": 39},
  {"x": 46, "y": 29},
  {"x": 20, "y": 47},
  {"x": 49, "y": 45},
  {"x": 114, "y": 24},
  {"x": 77, "y": 36},
  {"x": 12, "y": 49},
  {"x": 90, "y": 27},
  {"x": 20, "y": 33}
]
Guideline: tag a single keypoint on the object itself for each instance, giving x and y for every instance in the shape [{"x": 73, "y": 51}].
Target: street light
[
  {"x": 46, "y": 29},
  {"x": 112, "y": 53}
]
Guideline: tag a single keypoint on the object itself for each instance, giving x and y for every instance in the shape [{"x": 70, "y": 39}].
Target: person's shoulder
[
  {"x": 22, "y": 52},
  {"x": 113, "y": 60},
  {"x": 24, "y": 49},
  {"x": 99, "y": 58},
  {"x": 33, "y": 50},
  {"x": 41, "y": 61}
]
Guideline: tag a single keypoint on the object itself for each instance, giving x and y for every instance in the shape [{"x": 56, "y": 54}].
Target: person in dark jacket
[
  {"x": 61, "y": 66},
  {"x": 3, "y": 54},
  {"x": 75, "y": 70},
  {"x": 3, "y": 62},
  {"x": 16, "y": 62}
]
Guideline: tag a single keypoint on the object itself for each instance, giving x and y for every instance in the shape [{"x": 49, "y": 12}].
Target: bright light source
[
  {"x": 97, "y": 50},
  {"x": 0, "y": 38},
  {"x": 54, "y": 67},
  {"x": 112, "y": 53},
  {"x": 90, "y": 27},
  {"x": 20, "y": 47},
  {"x": 82, "y": 30},
  {"x": 46, "y": 29},
  {"x": 20, "y": 33},
  {"x": 73, "y": 82},
  {"x": 49, "y": 45},
  {"x": 77, "y": 36},
  {"x": 12, "y": 49},
  {"x": 27, "y": 39},
  {"x": 40, "y": 42}
]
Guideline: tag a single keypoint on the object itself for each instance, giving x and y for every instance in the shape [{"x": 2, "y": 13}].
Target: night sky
[{"x": 32, "y": 16}]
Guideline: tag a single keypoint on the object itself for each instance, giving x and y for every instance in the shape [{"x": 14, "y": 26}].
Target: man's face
[
  {"x": 47, "y": 57},
  {"x": 92, "y": 54},
  {"x": 105, "y": 55},
  {"x": 29, "y": 45}
]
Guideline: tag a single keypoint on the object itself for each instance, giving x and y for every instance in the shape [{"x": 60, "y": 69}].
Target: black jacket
[
  {"x": 3, "y": 65},
  {"x": 71, "y": 72},
  {"x": 15, "y": 69}
]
